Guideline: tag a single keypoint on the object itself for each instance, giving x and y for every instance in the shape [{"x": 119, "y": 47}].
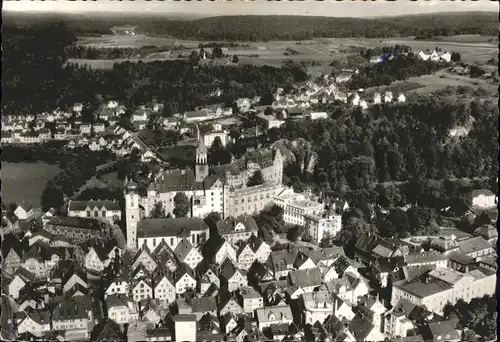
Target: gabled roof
[
  {"x": 25, "y": 206},
  {"x": 144, "y": 250},
  {"x": 73, "y": 269},
  {"x": 183, "y": 249},
  {"x": 107, "y": 330},
  {"x": 182, "y": 270},
  {"x": 474, "y": 244},
  {"x": 300, "y": 260},
  {"x": 69, "y": 310},
  {"x": 92, "y": 205},
  {"x": 203, "y": 304},
  {"x": 228, "y": 269},
  {"x": 76, "y": 222},
  {"x": 169, "y": 226},
  {"x": 227, "y": 226},
  {"x": 40, "y": 317},
  {"x": 360, "y": 327},
  {"x": 10, "y": 242},
  {"x": 306, "y": 278}
]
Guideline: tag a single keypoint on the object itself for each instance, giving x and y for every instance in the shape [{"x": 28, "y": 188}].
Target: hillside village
[{"x": 185, "y": 259}]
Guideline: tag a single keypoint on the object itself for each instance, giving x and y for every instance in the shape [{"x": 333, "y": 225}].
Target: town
[{"x": 223, "y": 223}]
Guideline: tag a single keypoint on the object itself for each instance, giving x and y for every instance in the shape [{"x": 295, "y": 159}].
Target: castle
[{"x": 221, "y": 188}]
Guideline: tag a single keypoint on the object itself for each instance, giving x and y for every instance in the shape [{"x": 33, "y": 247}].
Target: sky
[{"x": 258, "y": 7}]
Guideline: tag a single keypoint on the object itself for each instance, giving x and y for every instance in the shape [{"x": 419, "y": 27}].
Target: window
[
  {"x": 96, "y": 213},
  {"x": 88, "y": 213},
  {"x": 103, "y": 213},
  {"x": 154, "y": 242}
]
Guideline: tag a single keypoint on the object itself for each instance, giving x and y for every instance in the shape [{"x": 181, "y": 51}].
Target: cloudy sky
[{"x": 259, "y": 7}]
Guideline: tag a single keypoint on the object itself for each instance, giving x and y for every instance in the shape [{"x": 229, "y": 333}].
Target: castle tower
[
  {"x": 131, "y": 213},
  {"x": 278, "y": 165},
  {"x": 201, "y": 168}
]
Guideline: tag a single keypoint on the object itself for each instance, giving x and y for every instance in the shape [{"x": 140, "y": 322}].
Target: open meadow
[
  {"x": 321, "y": 51},
  {"x": 25, "y": 181}
]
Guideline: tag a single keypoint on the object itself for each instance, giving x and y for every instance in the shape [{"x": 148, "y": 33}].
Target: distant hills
[{"x": 266, "y": 28}]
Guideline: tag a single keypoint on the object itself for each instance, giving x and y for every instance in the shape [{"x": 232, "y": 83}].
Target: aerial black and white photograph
[{"x": 249, "y": 171}]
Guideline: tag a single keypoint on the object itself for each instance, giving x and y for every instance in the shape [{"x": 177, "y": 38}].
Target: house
[
  {"x": 321, "y": 304},
  {"x": 303, "y": 262},
  {"x": 202, "y": 306},
  {"x": 317, "y": 115},
  {"x": 36, "y": 323},
  {"x": 251, "y": 299},
  {"x": 121, "y": 309},
  {"x": 196, "y": 116},
  {"x": 348, "y": 288},
  {"x": 207, "y": 274},
  {"x": 245, "y": 256},
  {"x": 185, "y": 252},
  {"x": 272, "y": 315},
  {"x": 484, "y": 199},
  {"x": 184, "y": 278},
  {"x": 107, "y": 330},
  {"x": 143, "y": 289},
  {"x": 402, "y": 318},
  {"x": 78, "y": 229},
  {"x": 228, "y": 322},
  {"x": 228, "y": 304},
  {"x": 73, "y": 275},
  {"x": 164, "y": 288},
  {"x": 442, "y": 331},
  {"x": 475, "y": 247},
  {"x": 222, "y": 250},
  {"x": 73, "y": 317},
  {"x": 383, "y": 268},
  {"x": 24, "y": 211},
  {"x": 231, "y": 276},
  {"x": 308, "y": 279},
  {"x": 171, "y": 123},
  {"x": 488, "y": 232},
  {"x": 234, "y": 230},
  {"x": 270, "y": 121},
  {"x": 333, "y": 327},
  {"x": 372, "y": 309},
  {"x": 342, "y": 78},
  {"x": 12, "y": 252},
  {"x": 337, "y": 269},
  {"x": 85, "y": 128},
  {"x": 151, "y": 313},
  {"x": 117, "y": 285},
  {"x": 260, "y": 249},
  {"x": 388, "y": 97},
  {"x": 363, "y": 330},
  {"x": 443, "y": 285},
  {"x": 370, "y": 247},
  {"x": 185, "y": 328},
  {"x": 144, "y": 257},
  {"x": 281, "y": 262},
  {"x": 401, "y": 98}
]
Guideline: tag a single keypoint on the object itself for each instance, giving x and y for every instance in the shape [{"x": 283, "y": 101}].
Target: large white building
[
  {"x": 443, "y": 286},
  {"x": 299, "y": 210},
  {"x": 220, "y": 189},
  {"x": 103, "y": 210}
]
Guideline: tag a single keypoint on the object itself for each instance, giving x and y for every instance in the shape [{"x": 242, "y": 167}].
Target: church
[{"x": 221, "y": 188}]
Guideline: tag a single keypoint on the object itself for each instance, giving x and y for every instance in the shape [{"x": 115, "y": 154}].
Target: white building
[
  {"x": 317, "y": 115},
  {"x": 320, "y": 227},
  {"x": 483, "y": 198},
  {"x": 109, "y": 211},
  {"x": 273, "y": 315},
  {"x": 295, "y": 206}
]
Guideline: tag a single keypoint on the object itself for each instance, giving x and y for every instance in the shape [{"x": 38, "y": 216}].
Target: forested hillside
[{"x": 265, "y": 28}]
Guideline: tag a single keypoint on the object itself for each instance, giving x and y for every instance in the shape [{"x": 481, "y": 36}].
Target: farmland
[
  {"x": 22, "y": 181},
  {"x": 472, "y": 48}
]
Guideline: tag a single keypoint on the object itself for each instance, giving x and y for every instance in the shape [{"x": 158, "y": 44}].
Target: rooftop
[
  {"x": 169, "y": 226},
  {"x": 76, "y": 222}
]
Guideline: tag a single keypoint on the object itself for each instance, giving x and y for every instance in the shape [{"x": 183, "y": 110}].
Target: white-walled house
[
  {"x": 104, "y": 210},
  {"x": 36, "y": 323},
  {"x": 122, "y": 309},
  {"x": 483, "y": 198},
  {"x": 164, "y": 288},
  {"x": 24, "y": 211},
  {"x": 143, "y": 289}
]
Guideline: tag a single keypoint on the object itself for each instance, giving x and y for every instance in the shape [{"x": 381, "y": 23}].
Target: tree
[
  {"x": 194, "y": 58},
  {"x": 52, "y": 197},
  {"x": 455, "y": 57},
  {"x": 235, "y": 59},
  {"x": 294, "y": 233},
  {"x": 269, "y": 111},
  {"x": 256, "y": 179},
  {"x": 212, "y": 219},
  {"x": 158, "y": 211},
  {"x": 182, "y": 205},
  {"x": 218, "y": 154}
]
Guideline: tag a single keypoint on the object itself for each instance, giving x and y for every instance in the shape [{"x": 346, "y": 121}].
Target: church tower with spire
[{"x": 201, "y": 168}]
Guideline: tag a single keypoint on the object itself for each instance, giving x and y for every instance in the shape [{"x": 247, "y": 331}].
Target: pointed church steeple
[{"x": 201, "y": 168}]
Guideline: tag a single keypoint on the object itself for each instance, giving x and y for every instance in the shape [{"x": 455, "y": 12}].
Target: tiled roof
[
  {"x": 417, "y": 258},
  {"x": 69, "y": 310},
  {"x": 360, "y": 327},
  {"x": 203, "y": 304},
  {"x": 264, "y": 314},
  {"x": 107, "y": 330},
  {"x": 306, "y": 278},
  {"x": 461, "y": 258},
  {"x": 474, "y": 244},
  {"x": 182, "y": 250},
  {"x": 182, "y": 270},
  {"x": 92, "y": 205},
  {"x": 169, "y": 226},
  {"x": 228, "y": 269},
  {"x": 227, "y": 226},
  {"x": 76, "y": 222},
  {"x": 421, "y": 289}
]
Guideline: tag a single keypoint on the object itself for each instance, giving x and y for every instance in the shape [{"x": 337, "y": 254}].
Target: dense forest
[
  {"x": 33, "y": 65},
  {"x": 265, "y": 28}
]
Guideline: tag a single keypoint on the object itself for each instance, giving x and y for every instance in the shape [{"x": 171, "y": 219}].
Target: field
[
  {"x": 472, "y": 48},
  {"x": 25, "y": 181}
]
